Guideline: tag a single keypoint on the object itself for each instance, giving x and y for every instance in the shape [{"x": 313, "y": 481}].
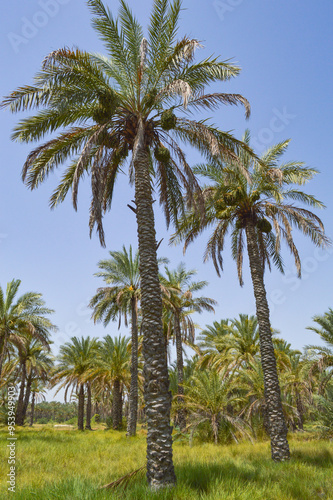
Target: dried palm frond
[
  {"x": 178, "y": 87},
  {"x": 143, "y": 52},
  {"x": 123, "y": 481}
]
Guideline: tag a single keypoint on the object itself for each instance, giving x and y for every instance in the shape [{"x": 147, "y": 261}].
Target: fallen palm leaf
[{"x": 123, "y": 481}]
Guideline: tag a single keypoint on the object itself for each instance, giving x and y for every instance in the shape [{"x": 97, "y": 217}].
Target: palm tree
[
  {"x": 252, "y": 200},
  {"x": 190, "y": 368},
  {"x": 120, "y": 297},
  {"x": 112, "y": 371},
  {"x": 323, "y": 413},
  {"x": 320, "y": 358},
  {"x": 243, "y": 341},
  {"x": 37, "y": 395},
  {"x": 283, "y": 352},
  {"x": 75, "y": 359},
  {"x": 250, "y": 383},
  {"x": 35, "y": 363},
  {"x": 212, "y": 344},
  {"x": 210, "y": 397},
  {"x": 178, "y": 289},
  {"x": 297, "y": 385},
  {"x": 106, "y": 107},
  {"x": 325, "y": 332},
  {"x": 233, "y": 344},
  {"x": 25, "y": 316}
]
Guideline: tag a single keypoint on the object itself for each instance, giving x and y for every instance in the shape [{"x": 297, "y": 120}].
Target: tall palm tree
[
  {"x": 25, "y": 316},
  {"x": 35, "y": 363},
  {"x": 254, "y": 200},
  {"x": 129, "y": 101},
  {"x": 37, "y": 395},
  {"x": 112, "y": 371},
  {"x": 75, "y": 359},
  {"x": 178, "y": 288},
  {"x": 120, "y": 297}
]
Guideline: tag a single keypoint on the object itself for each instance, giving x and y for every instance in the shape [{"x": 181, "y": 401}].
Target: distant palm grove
[{"x": 138, "y": 109}]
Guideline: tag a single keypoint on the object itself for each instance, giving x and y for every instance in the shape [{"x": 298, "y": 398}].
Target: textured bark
[
  {"x": 26, "y": 397},
  {"x": 160, "y": 469},
  {"x": 133, "y": 395},
  {"x": 181, "y": 417},
  {"x": 20, "y": 401},
  {"x": 117, "y": 405},
  {"x": 3, "y": 352},
  {"x": 215, "y": 427},
  {"x": 265, "y": 419},
  {"x": 88, "y": 409},
  {"x": 276, "y": 421},
  {"x": 80, "y": 409},
  {"x": 32, "y": 410}
]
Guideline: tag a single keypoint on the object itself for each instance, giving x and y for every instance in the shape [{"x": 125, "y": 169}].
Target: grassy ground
[{"x": 66, "y": 464}]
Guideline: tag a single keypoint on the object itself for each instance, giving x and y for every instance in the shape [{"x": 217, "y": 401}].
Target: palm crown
[
  {"x": 178, "y": 289},
  {"x": 75, "y": 360},
  {"x": 257, "y": 192},
  {"x": 98, "y": 101},
  {"x": 25, "y": 315},
  {"x": 325, "y": 322},
  {"x": 232, "y": 345},
  {"x": 121, "y": 274}
]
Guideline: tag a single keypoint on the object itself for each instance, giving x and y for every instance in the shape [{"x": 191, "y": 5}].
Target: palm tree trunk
[
  {"x": 160, "y": 469},
  {"x": 265, "y": 419},
  {"x": 88, "y": 410},
  {"x": 32, "y": 411},
  {"x": 180, "y": 372},
  {"x": 133, "y": 395},
  {"x": 3, "y": 352},
  {"x": 20, "y": 401},
  {"x": 117, "y": 405},
  {"x": 300, "y": 410},
  {"x": 27, "y": 397},
  {"x": 81, "y": 408},
  {"x": 215, "y": 428},
  {"x": 277, "y": 425}
]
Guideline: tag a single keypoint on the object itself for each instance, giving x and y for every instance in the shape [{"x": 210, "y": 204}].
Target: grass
[{"x": 59, "y": 464}]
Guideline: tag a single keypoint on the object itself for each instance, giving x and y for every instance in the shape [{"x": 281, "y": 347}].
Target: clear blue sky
[{"x": 285, "y": 51}]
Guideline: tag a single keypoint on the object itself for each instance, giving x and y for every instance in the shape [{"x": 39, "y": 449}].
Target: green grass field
[{"x": 66, "y": 464}]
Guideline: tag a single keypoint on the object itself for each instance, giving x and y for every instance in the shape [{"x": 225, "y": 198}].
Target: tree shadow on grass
[
  {"x": 322, "y": 458},
  {"x": 203, "y": 477},
  {"x": 252, "y": 478}
]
